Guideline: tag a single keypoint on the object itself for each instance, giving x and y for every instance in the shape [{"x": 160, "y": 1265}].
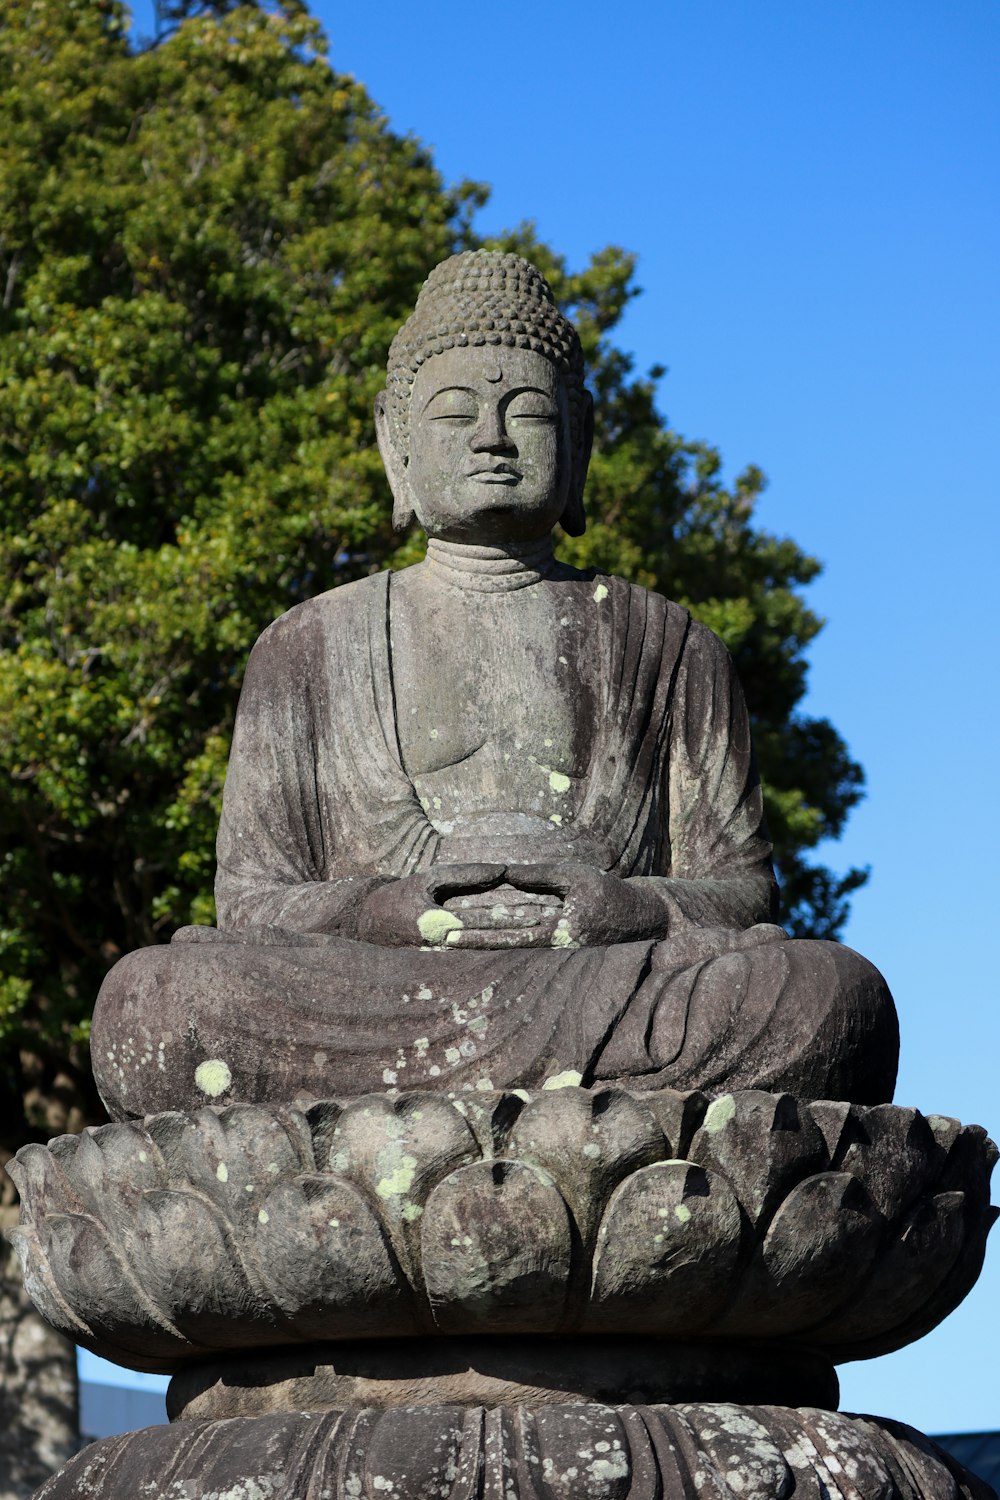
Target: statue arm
[
  {"x": 715, "y": 855},
  {"x": 271, "y": 845},
  {"x": 719, "y": 872}
]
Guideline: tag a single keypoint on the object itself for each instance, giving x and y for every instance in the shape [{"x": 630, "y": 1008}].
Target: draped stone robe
[{"x": 279, "y": 1001}]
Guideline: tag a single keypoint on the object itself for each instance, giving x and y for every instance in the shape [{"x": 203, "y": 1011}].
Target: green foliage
[{"x": 205, "y": 248}]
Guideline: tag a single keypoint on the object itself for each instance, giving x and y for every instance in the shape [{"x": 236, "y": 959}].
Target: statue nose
[{"x": 490, "y": 434}]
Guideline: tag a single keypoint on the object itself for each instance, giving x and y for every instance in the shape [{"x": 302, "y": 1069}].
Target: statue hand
[
  {"x": 598, "y": 908},
  {"x": 409, "y": 912},
  {"x": 591, "y": 909}
]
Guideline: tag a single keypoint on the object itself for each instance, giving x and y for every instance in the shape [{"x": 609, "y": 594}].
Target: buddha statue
[{"x": 490, "y": 821}]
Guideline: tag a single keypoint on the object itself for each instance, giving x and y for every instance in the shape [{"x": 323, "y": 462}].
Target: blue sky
[{"x": 812, "y": 190}]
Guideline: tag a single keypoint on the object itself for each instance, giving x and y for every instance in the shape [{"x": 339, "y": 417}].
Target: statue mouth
[{"x": 501, "y": 474}]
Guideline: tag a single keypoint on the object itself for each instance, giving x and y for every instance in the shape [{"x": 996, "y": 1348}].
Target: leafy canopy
[{"x": 205, "y": 249}]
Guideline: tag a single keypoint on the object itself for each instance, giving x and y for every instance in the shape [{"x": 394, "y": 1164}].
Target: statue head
[{"x": 484, "y": 423}]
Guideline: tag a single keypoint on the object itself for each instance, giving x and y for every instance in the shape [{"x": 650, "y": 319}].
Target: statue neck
[{"x": 492, "y": 570}]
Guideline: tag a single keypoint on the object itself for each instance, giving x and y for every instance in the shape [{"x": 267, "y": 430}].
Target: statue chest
[{"x": 495, "y": 696}]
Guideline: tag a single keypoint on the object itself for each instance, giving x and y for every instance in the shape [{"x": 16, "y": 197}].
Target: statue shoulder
[
  {"x": 702, "y": 653},
  {"x": 675, "y": 617},
  {"x": 706, "y": 664},
  {"x": 345, "y": 610}
]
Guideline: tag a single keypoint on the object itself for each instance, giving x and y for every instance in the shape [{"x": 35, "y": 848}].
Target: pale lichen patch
[
  {"x": 399, "y": 1181},
  {"x": 562, "y": 937},
  {"x": 435, "y": 924},
  {"x": 569, "y": 1078},
  {"x": 719, "y": 1114},
  {"x": 213, "y": 1077}
]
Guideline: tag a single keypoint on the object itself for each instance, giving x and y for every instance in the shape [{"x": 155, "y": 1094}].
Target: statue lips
[{"x": 498, "y": 474}]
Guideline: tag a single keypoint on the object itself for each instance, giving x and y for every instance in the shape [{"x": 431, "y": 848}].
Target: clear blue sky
[{"x": 813, "y": 191}]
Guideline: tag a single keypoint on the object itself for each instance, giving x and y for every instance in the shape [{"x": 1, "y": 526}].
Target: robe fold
[{"x": 317, "y": 801}]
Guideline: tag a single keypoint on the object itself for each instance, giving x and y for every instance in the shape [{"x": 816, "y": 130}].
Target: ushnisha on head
[{"x": 484, "y": 421}]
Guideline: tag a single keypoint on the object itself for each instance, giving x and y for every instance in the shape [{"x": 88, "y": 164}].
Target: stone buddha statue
[{"x": 490, "y": 821}]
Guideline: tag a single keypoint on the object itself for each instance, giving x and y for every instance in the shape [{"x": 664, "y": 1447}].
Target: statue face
[{"x": 489, "y": 445}]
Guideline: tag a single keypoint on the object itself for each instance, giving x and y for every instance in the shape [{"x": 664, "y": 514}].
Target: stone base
[
  {"x": 566, "y": 1452},
  {"x": 494, "y": 1372},
  {"x": 566, "y": 1213}
]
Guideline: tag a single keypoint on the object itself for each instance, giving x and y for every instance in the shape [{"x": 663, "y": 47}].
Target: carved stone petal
[
  {"x": 912, "y": 1266},
  {"x": 322, "y": 1256},
  {"x": 396, "y": 1149},
  {"x": 41, "y": 1286},
  {"x": 666, "y": 1251},
  {"x": 678, "y": 1116},
  {"x": 762, "y": 1144},
  {"x": 897, "y": 1156},
  {"x": 105, "y": 1295},
  {"x": 111, "y": 1168},
  {"x": 820, "y": 1246},
  {"x": 43, "y": 1184},
  {"x": 970, "y": 1160},
  {"x": 588, "y": 1142},
  {"x": 496, "y": 1248},
  {"x": 836, "y": 1120},
  {"x": 220, "y": 1151},
  {"x": 183, "y": 1254}
]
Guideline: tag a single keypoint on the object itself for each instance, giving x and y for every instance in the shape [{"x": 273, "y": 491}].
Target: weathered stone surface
[
  {"x": 490, "y": 819},
  {"x": 572, "y": 1452},
  {"x": 498, "y": 1371},
  {"x": 565, "y": 1211},
  {"x": 493, "y": 834}
]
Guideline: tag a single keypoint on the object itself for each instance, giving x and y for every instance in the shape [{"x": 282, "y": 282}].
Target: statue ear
[
  {"x": 394, "y": 464},
  {"x": 574, "y": 518}
]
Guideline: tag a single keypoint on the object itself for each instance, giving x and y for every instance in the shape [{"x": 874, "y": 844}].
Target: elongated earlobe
[
  {"x": 574, "y": 518},
  {"x": 394, "y": 465},
  {"x": 403, "y": 515}
]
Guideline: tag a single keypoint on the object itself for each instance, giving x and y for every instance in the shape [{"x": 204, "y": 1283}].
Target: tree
[{"x": 205, "y": 248}]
